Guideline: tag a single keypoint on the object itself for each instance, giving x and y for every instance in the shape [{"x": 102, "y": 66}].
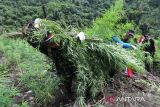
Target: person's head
[
  {"x": 147, "y": 37},
  {"x": 130, "y": 33}
]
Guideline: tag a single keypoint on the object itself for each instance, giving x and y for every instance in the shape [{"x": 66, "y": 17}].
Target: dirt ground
[{"x": 141, "y": 91}]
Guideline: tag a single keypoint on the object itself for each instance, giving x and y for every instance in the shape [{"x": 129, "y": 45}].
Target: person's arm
[{"x": 129, "y": 46}]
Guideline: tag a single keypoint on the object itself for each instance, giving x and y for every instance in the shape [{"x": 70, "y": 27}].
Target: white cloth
[
  {"x": 81, "y": 36},
  {"x": 37, "y": 22}
]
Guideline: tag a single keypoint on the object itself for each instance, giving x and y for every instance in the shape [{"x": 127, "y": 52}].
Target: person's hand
[{"x": 134, "y": 47}]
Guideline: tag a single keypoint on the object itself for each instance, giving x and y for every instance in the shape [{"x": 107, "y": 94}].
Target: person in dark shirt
[
  {"x": 128, "y": 36},
  {"x": 151, "y": 47}
]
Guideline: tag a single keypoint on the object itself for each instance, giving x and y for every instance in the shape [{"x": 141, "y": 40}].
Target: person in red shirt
[
  {"x": 50, "y": 40},
  {"x": 143, "y": 39}
]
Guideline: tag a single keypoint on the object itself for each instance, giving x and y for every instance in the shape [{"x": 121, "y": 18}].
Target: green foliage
[
  {"x": 76, "y": 10},
  {"x": 110, "y": 23},
  {"x": 95, "y": 62},
  {"x": 123, "y": 28},
  {"x": 33, "y": 67},
  {"x": 5, "y": 96},
  {"x": 51, "y": 26},
  {"x": 24, "y": 104},
  {"x": 145, "y": 57},
  {"x": 144, "y": 12},
  {"x": 46, "y": 25},
  {"x": 43, "y": 86},
  {"x": 79, "y": 14},
  {"x": 104, "y": 27},
  {"x": 157, "y": 55},
  {"x": 16, "y": 13},
  {"x": 149, "y": 59},
  {"x": 6, "y": 91}
]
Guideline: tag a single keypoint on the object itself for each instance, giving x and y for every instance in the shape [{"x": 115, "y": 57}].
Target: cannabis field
[{"x": 28, "y": 77}]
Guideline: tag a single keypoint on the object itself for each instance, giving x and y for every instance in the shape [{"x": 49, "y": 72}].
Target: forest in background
[
  {"x": 16, "y": 13},
  {"x": 76, "y": 13}
]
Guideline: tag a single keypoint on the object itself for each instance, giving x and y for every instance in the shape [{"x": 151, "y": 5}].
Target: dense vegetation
[
  {"x": 93, "y": 61},
  {"x": 89, "y": 75},
  {"x": 145, "y": 12},
  {"x": 78, "y": 14},
  {"x": 15, "y": 13}
]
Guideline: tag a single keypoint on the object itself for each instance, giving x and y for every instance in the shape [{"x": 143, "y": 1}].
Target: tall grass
[
  {"x": 7, "y": 91},
  {"x": 32, "y": 67}
]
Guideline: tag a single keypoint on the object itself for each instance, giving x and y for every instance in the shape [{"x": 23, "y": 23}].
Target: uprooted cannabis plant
[{"x": 93, "y": 63}]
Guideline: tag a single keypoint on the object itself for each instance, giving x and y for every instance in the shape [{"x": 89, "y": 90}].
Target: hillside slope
[
  {"x": 24, "y": 75},
  {"x": 27, "y": 89},
  {"x": 93, "y": 70}
]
